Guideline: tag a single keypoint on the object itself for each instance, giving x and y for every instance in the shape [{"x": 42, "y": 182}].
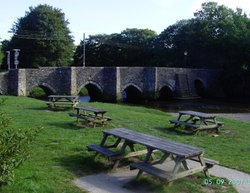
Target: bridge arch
[
  {"x": 95, "y": 91},
  {"x": 166, "y": 92},
  {"x": 200, "y": 87},
  {"x": 46, "y": 87},
  {"x": 132, "y": 93}
]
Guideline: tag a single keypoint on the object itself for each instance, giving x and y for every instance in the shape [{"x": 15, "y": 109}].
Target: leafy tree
[
  {"x": 217, "y": 37},
  {"x": 43, "y": 37},
  {"x": 4, "y": 48},
  {"x": 131, "y": 47}
]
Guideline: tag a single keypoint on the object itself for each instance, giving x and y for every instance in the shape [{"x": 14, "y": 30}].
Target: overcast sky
[{"x": 111, "y": 16}]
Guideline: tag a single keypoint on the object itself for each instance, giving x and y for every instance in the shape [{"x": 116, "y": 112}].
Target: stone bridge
[{"x": 111, "y": 83}]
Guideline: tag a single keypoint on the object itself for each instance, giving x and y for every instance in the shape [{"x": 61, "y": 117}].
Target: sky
[{"x": 111, "y": 16}]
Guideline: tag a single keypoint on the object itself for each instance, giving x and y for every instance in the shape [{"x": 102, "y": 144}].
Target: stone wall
[
  {"x": 111, "y": 81},
  {"x": 3, "y": 83}
]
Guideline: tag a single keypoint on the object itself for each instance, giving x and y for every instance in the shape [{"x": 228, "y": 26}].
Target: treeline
[{"x": 217, "y": 37}]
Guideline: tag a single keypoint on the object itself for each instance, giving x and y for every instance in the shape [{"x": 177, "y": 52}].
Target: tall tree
[
  {"x": 131, "y": 47},
  {"x": 43, "y": 37}
]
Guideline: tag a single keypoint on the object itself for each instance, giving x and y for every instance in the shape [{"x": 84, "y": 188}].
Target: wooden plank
[
  {"x": 187, "y": 173},
  {"x": 197, "y": 114},
  {"x": 91, "y": 109},
  {"x": 102, "y": 150},
  {"x": 152, "y": 142},
  {"x": 145, "y": 167},
  {"x": 184, "y": 123},
  {"x": 209, "y": 162},
  {"x": 63, "y": 96}
]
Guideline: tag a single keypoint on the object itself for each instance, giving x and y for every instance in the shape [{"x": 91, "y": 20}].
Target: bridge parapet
[{"x": 110, "y": 82}]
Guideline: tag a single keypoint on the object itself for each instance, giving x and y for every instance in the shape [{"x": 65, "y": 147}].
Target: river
[{"x": 237, "y": 109}]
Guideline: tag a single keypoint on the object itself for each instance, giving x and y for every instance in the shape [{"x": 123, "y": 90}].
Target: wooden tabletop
[
  {"x": 197, "y": 114},
  {"x": 155, "y": 143},
  {"x": 62, "y": 96},
  {"x": 91, "y": 109}
]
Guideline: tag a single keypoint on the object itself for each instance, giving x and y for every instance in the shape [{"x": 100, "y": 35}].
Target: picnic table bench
[
  {"x": 195, "y": 121},
  {"x": 92, "y": 115},
  {"x": 170, "y": 150},
  {"x": 62, "y": 100}
]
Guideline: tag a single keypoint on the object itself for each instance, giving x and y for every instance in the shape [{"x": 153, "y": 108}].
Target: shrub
[
  {"x": 13, "y": 148},
  {"x": 37, "y": 93}
]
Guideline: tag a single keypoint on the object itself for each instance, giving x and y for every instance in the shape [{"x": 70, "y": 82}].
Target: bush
[
  {"x": 37, "y": 93},
  {"x": 84, "y": 92},
  {"x": 13, "y": 148}
]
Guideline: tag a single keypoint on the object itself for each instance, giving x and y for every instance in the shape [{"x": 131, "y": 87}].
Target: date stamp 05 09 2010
[{"x": 221, "y": 181}]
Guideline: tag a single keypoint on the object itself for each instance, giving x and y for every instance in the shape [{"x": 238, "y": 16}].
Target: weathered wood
[
  {"x": 197, "y": 114},
  {"x": 184, "y": 123},
  {"x": 152, "y": 142},
  {"x": 163, "y": 174},
  {"x": 145, "y": 167},
  {"x": 62, "y": 100},
  {"x": 103, "y": 151},
  {"x": 209, "y": 162},
  {"x": 91, "y": 109},
  {"x": 60, "y": 103}
]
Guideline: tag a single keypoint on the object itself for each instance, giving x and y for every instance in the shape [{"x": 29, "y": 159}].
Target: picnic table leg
[
  {"x": 124, "y": 145},
  {"x": 177, "y": 166},
  {"x": 104, "y": 138},
  {"x": 200, "y": 157},
  {"x": 145, "y": 160}
]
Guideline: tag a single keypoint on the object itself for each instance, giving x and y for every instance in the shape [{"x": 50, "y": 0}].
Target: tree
[
  {"x": 217, "y": 37},
  {"x": 43, "y": 37},
  {"x": 131, "y": 47}
]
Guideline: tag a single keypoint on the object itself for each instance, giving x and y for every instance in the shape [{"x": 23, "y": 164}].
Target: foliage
[
  {"x": 13, "y": 148},
  {"x": 217, "y": 37},
  {"x": 38, "y": 93},
  {"x": 43, "y": 37},
  {"x": 129, "y": 48}
]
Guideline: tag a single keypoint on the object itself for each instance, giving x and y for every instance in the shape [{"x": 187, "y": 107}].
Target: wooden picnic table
[
  {"x": 195, "y": 121},
  {"x": 92, "y": 115},
  {"x": 62, "y": 100},
  {"x": 170, "y": 150}
]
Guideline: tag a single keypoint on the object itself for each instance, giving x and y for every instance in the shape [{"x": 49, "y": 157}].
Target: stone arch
[
  {"x": 200, "y": 87},
  {"x": 166, "y": 92},
  {"x": 46, "y": 87},
  {"x": 132, "y": 93},
  {"x": 95, "y": 91}
]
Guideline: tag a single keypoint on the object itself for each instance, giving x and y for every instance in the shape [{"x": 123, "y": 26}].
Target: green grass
[{"x": 59, "y": 153}]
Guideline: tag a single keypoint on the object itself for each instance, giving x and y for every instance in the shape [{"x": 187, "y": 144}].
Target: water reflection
[
  {"x": 84, "y": 99},
  {"x": 202, "y": 105}
]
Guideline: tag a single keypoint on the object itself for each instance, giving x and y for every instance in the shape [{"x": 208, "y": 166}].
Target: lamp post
[
  {"x": 185, "y": 57},
  {"x": 16, "y": 54},
  {"x": 83, "y": 51}
]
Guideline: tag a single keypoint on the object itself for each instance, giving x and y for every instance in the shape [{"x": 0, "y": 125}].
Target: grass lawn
[{"x": 59, "y": 153}]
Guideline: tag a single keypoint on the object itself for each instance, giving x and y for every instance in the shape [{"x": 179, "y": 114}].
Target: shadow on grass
[
  {"x": 39, "y": 108},
  {"x": 82, "y": 165},
  {"x": 173, "y": 131},
  {"x": 67, "y": 125}
]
